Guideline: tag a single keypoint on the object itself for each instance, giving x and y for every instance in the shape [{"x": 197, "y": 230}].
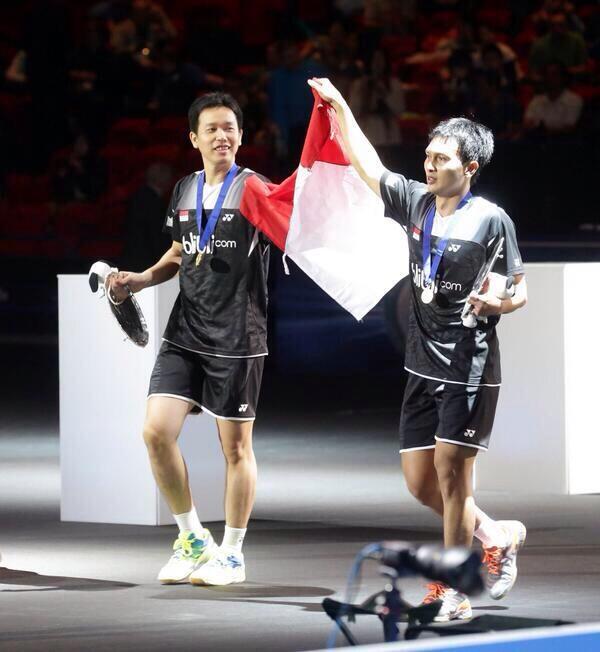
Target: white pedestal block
[
  {"x": 105, "y": 472},
  {"x": 546, "y": 436}
]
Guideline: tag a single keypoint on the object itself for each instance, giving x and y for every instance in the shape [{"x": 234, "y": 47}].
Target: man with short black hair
[
  {"x": 454, "y": 371},
  {"x": 214, "y": 344}
]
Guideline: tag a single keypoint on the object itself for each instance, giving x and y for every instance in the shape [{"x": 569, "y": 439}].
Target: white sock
[
  {"x": 488, "y": 531},
  {"x": 233, "y": 538},
  {"x": 188, "y": 521}
]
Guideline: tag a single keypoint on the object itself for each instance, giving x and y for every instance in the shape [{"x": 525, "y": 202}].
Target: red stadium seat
[
  {"x": 397, "y": 47},
  {"x": 167, "y": 153},
  {"x": 495, "y": 18},
  {"x": 132, "y": 131},
  {"x": 414, "y": 128},
  {"x": 75, "y": 219},
  {"x": 28, "y": 221},
  {"x": 101, "y": 249},
  {"x": 26, "y": 187}
]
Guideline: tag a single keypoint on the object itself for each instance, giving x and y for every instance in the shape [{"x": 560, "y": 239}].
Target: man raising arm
[{"x": 454, "y": 371}]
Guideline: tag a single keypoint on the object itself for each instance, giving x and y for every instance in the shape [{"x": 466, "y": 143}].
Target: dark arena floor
[{"x": 329, "y": 483}]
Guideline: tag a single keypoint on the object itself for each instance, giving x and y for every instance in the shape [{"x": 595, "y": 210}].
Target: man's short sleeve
[
  {"x": 399, "y": 196},
  {"x": 171, "y": 225},
  {"x": 510, "y": 263}
]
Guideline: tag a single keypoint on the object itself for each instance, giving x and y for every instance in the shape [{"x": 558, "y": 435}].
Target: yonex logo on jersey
[
  {"x": 454, "y": 247},
  {"x": 228, "y": 217},
  {"x": 517, "y": 262},
  {"x": 184, "y": 216},
  {"x": 243, "y": 407},
  {"x": 170, "y": 220},
  {"x": 191, "y": 244},
  {"x": 469, "y": 433}
]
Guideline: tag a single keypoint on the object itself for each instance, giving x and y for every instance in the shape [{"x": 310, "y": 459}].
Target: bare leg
[
  {"x": 421, "y": 478},
  {"x": 454, "y": 466},
  {"x": 240, "y": 488},
  {"x": 164, "y": 420}
]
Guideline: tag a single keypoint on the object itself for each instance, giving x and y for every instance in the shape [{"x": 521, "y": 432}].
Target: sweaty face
[
  {"x": 445, "y": 174},
  {"x": 218, "y": 136}
]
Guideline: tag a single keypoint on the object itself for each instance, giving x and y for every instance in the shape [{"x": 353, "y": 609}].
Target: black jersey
[
  {"x": 222, "y": 304},
  {"x": 438, "y": 345}
]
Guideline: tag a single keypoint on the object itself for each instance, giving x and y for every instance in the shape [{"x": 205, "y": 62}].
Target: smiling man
[
  {"x": 214, "y": 345},
  {"x": 454, "y": 371}
]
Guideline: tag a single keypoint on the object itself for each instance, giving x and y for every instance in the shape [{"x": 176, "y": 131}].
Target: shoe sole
[
  {"x": 198, "y": 581},
  {"x": 462, "y": 614}
]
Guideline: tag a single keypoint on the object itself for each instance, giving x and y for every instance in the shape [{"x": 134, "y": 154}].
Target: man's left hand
[{"x": 485, "y": 305}]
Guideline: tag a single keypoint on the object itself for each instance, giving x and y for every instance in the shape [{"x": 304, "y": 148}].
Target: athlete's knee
[
  {"x": 238, "y": 451},
  {"x": 454, "y": 477},
  {"x": 157, "y": 439},
  {"x": 422, "y": 491}
]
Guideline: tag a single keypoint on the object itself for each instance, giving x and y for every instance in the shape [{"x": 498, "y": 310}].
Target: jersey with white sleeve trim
[
  {"x": 438, "y": 345},
  {"x": 222, "y": 304}
]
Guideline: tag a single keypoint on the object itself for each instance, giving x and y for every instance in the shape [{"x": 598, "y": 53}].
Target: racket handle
[{"x": 469, "y": 320}]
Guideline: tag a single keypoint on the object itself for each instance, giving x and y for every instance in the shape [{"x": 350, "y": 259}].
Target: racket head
[{"x": 122, "y": 303}]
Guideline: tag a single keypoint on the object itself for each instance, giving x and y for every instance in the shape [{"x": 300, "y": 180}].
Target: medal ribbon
[
  {"x": 430, "y": 268},
  {"x": 214, "y": 214}
]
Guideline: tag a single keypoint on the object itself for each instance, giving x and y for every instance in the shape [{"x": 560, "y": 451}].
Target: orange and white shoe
[
  {"x": 455, "y": 605},
  {"x": 502, "y": 562}
]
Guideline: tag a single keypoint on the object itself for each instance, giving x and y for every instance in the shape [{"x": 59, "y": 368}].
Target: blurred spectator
[
  {"x": 152, "y": 25},
  {"x": 177, "y": 83},
  {"x": 457, "y": 94},
  {"x": 557, "y": 110},
  {"x": 16, "y": 72},
  {"x": 145, "y": 241},
  {"x": 560, "y": 45},
  {"x": 496, "y": 107},
  {"x": 484, "y": 55},
  {"x": 542, "y": 18},
  {"x": 493, "y": 61},
  {"x": 377, "y": 101},
  {"x": 80, "y": 175},
  {"x": 439, "y": 49},
  {"x": 290, "y": 99}
]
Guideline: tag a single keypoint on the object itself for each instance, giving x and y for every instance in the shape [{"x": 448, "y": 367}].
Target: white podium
[
  {"x": 105, "y": 473},
  {"x": 546, "y": 436}
]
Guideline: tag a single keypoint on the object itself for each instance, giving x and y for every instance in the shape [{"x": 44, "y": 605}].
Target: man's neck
[
  {"x": 215, "y": 174},
  {"x": 447, "y": 205}
]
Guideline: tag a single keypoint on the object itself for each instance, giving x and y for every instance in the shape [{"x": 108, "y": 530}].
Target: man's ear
[
  {"x": 241, "y": 133},
  {"x": 194, "y": 139},
  {"x": 471, "y": 168}
]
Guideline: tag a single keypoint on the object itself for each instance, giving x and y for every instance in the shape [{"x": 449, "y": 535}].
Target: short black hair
[
  {"x": 475, "y": 141},
  {"x": 211, "y": 101}
]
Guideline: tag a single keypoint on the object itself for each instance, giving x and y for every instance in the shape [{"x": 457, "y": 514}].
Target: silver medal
[{"x": 427, "y": 295}]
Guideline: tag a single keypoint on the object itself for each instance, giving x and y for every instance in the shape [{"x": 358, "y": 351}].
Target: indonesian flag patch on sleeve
[
  {"x": 416, "y": 232},
  {"x": 183, "y": 216}
]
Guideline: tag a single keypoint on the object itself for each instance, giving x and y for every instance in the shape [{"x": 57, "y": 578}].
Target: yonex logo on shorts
[
  {"x": 228, "y": 217},
  {"x": 469, "y": 433},
  {"x": 454, "y": 247},
  {"x": 243, "y": 407}
]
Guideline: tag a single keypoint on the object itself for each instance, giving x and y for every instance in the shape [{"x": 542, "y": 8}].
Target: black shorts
[
  {"x": 436, "y": 411},
  {"x": 225, "y": 388}
]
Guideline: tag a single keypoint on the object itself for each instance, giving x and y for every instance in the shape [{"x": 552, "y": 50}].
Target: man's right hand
[
  {"x": 326, "y": 90},
  {"x": 133, "y": 280}
]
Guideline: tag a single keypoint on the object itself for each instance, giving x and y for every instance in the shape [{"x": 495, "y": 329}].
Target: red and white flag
[{"x": 329, "y": 222}]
